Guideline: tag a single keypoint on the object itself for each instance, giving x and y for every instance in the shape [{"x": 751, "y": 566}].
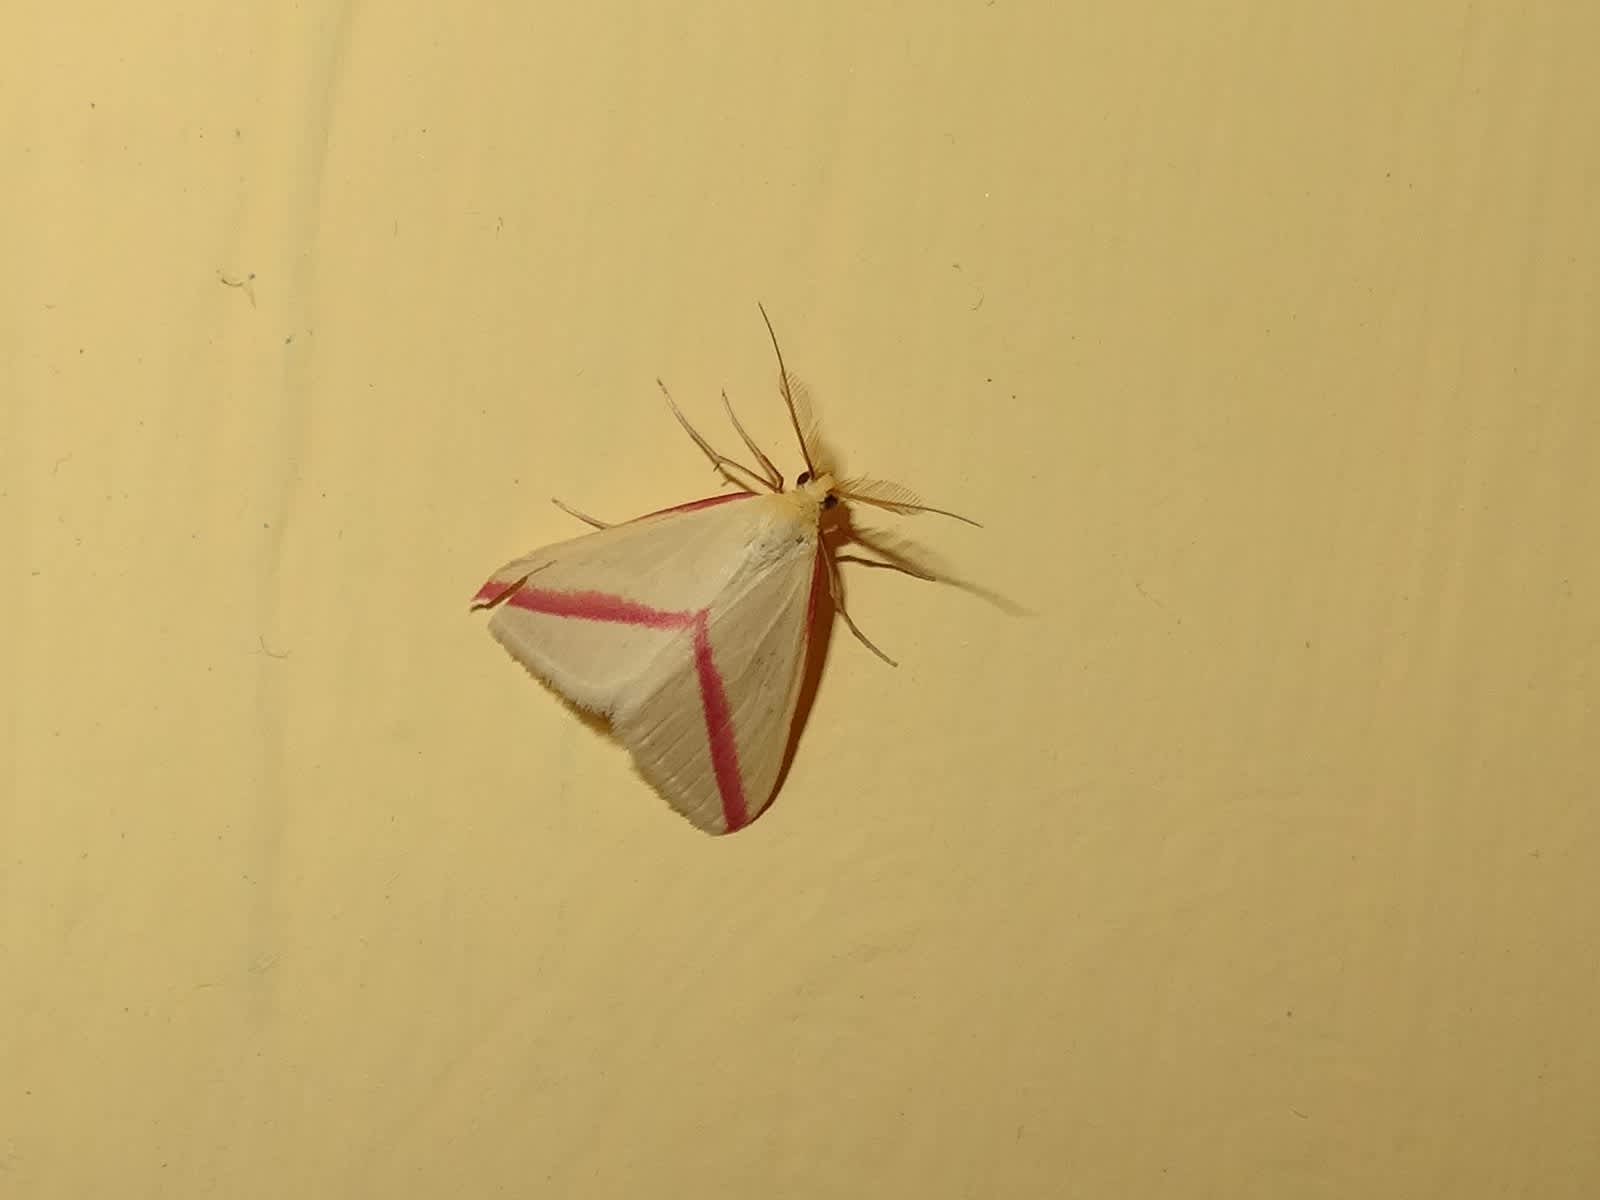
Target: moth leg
[
  {"x": 720, "y": 461},
  {"x": 930, "y": 573},
  {"x": 774, "y": 477},
  {"x": 836, "y": 590},
  {"x": 584, "y": 517},
  {"x": 903, "y": 568}
]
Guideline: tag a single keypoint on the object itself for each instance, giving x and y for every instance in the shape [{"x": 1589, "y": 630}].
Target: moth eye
[
  {"x": 829, "y": 500},
  {"x": 803, "y": 479}
]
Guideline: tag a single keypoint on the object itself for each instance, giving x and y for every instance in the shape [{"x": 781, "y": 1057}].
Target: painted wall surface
[{"x": 1258, "y": 857}]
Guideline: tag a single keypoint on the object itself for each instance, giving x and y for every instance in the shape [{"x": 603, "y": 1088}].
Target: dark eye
[
  {"x": 805, "y": 478},
  {"x": 829, "y": 500}
]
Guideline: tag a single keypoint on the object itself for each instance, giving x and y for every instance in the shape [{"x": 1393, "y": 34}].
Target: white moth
[{"x": 688, "y": 628}]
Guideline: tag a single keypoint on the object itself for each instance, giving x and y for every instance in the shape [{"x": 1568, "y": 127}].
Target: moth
[{"x": 688, "y": 628}]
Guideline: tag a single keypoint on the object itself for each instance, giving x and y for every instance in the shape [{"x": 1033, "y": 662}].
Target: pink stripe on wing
[
  {"x": 708, "y": 502},
  {"x": 491, "y": 591},
  {"x": 602, "y": 606},
  {"x": 719, "y": 729},
  {"x": 599, "y": 606}
]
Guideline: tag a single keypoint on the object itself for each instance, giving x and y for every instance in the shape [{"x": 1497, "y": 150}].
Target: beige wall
[{"x": 1259, "y": 860}]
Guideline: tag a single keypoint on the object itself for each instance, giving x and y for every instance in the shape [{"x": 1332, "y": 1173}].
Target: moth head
[{"x": 821, "y": 486}]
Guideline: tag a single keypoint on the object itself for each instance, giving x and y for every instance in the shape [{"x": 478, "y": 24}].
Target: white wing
[
  {"x": 688, "y": 630},
  {"x": 588, "y": 615},
  {"x": 710, "y": 724}
]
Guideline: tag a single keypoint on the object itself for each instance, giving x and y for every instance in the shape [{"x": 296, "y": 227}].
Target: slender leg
[
  {"x": 774, "y": 476},
  {"x": 720, "y": 461},
  {"x": 892, "y": 566},
  {"x": 584, "y": 517},
  {"x": 837, "y": 591}
]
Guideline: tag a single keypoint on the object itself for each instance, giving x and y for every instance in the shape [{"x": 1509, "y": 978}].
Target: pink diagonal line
[
  {"x": 603, "y": 606},
  {"x": 491, "y": 591},
  {"x": 719, "y": 728},
  {"x": 691, "y": 506},
  {"x": 599, "y": 606}
]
